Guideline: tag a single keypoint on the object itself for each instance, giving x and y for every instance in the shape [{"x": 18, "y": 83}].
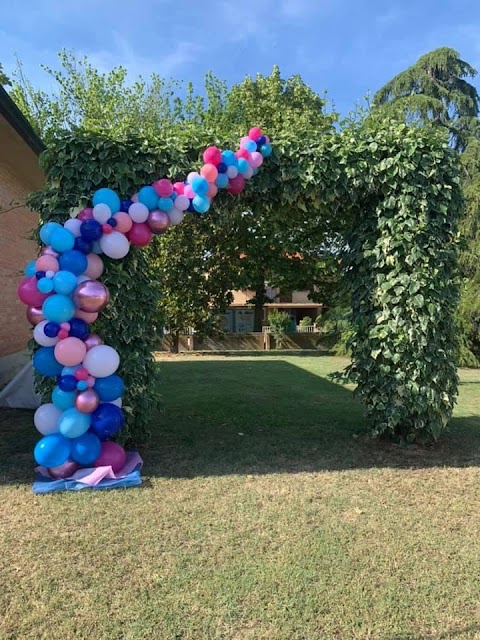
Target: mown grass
[{"x": 265, "y": 515}]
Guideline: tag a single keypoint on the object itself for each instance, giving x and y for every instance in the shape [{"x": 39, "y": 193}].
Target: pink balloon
[
  {"x": 124, "y": 222},
  {"x": 163, "y": 187},
  {"x": 35, "y": 315},
  {"x": 209, "y": 172},
  {"x": 140, "y": 234},
  {"x": 212, "y": 191},
  {"x": 87, "y": 401},
  {"x": 95, "y": 266},
  {"x": 85, "y": 214},
  {"x": 48, "y": 251},
  {"x": 255, "y": 133},
  {"x": 182, "y": 203},
  {"x": 47, "y": 263},
  {"x": 64, "y": 470},
  {"x": 244, "y": 140},
  {"x": 111, "y": 455},
  {"x": 70, "y": 351},
  {"x": 91, "y": 296},
  {"x": 29, "y": 294},
  {"x": 212, "y": 155},
  {"x": 134, "y": 198},
  {"x": 189, "y": 192},
  {"x": 237, "y": 185},
  {"x": 178, "y": 188},
  {"x": 92, "y": 340},
  {"x": 256, "y": 159},
  {"x": 242, "y": 153},
  {"x": 88, "y": 317},
  {"x": 158, "y": 221}
]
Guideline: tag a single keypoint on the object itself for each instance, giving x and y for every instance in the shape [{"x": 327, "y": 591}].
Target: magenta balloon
[
  {"x": 111, "y": 455},
  {"x": 158, "y": 221},
  {"x": 93, "y": 340},
  {"x": 87, "y": 401},
  {"x": 64, "y": 470},
  {"x": 29, "y": 294},
  {"x": 91, "y": 296},
  {"x": 35, "y": 315}
]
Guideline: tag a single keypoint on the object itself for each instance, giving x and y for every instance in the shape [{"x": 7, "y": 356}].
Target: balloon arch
[{"x": 64, "y": 296}]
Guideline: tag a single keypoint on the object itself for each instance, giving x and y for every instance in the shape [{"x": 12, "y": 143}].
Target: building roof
[{"x": 13, "y": 115}]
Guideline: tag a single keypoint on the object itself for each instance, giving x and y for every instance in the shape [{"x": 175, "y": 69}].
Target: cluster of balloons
[{"x": 64, "y": 296}]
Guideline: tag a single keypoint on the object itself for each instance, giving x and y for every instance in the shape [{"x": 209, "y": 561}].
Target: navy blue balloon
[
  {"x": 74, "y": 261},
  {"x": 191, "y": 208},
  {"x": 40, "y": 274},
  {"x": 222, "y": 168},
  {"x": 125, "y": 205},
  {"x": 261, "y": 140},
  {"x": 82, "y": 245},
  {"x": 112, "y": 222},
  {"x": 107, "y": 420},
  {"x": 51, "y": 329},
  {"x": 78, "y": 328},
  {"x": 67, "y": 383},
  {"x": 45, "y": 363},
  {"x": 109, "y": 388},
  {"x": 91, "y": 230}
]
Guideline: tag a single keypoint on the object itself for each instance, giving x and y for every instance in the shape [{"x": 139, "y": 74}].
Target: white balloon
[
  {"x": 175, "y": 216},
  {"x": 138, "y": 212},
  {"x": 102, "y": 213},
  {"x": 182, "y": 203},
  {"x": 46, "y": 419},
  {"x": 81, "y": 279},
  {"x": 101, "y": 361},
  {"x": 41, "y": 338},
  {"x": 232, "y": 172},
  {"x": 117, "y": 402},
  {"x": 73, "y": 225},
  {"x": 115, "y": 245}
]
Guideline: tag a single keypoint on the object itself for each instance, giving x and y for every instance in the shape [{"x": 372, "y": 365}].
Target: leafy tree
[
  {"x": 435, "y": 89},
  {"x": 4, "y": 79}
]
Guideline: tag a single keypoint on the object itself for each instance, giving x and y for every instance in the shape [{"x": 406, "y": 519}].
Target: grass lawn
[{"x": 264, "y": 516}]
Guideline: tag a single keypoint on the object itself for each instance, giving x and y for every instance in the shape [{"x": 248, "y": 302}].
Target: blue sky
[{"x": 347, "y": 48}]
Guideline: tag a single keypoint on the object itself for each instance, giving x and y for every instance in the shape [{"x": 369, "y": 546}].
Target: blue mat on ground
[{"x": 44, "y": 484}]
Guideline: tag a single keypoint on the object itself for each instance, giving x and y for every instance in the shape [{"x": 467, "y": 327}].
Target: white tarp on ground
[{"x": 19, "y": 393}]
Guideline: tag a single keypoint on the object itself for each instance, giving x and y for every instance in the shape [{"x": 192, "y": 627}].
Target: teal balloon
[
  {"x": 64, "y": 282},
  {"x": 62, "y": 240},
  {"x": 58, "y": 308},
  {"x": 45, "y": 363},
  {"x": 45, "y": 285},
  {"x": 243, "y": 165},
  {"x": 86, "y": 449},
  {"x": 47, "y": 230},
  {"x": 63, "y": 400},
  {"x": 201, "y": 204},
  {"x": 222, "y": 181},
  {"x": 165, "y": 204},
  {"x": 52, "y": 450},
  {"x": 73, "y": 423},
  {"x": 108, "y": 197},
  {"x": 266, "y": 150},
  {"x": 30, "y": 269},
  {"x": 149, "y": 197}
]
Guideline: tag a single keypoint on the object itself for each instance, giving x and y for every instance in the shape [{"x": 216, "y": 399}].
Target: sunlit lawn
[{"x": 265, "y": 515}]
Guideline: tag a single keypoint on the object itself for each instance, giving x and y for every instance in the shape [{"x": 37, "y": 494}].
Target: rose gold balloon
[
  {"x": 48, "y": 251},
  {"x": 91, "y": 296},
  {"x": 64, "y": 470},
  {"x": 158, "y": 221},
  {"x": 88, "y": 317},
  {"x": 35, "y": 315},
  {"x": 87, "y": 401},
  {"x": 93, "y": 340}
]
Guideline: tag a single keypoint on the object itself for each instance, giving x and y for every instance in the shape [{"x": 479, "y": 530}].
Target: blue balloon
[
  {"x": 73, "y": 423},
  {"x": 107, "y": 420},
  {"x": 250, "y": 146},
  {"x": 266, "y": 150},
  {"x": 74, "y": 261},
  {"x": 45, "y": 363},
  {"x": 200, "y": 186},
  {"x": 30, "y": 269},
  {"x": 64, "y": 282},
  {"x": 52, "y": 450},
  {"x": 70, "y": 371},
  {"x": 173, "y": 195},
  {"x": 82, "y": 385},
  {"x": 112, "y": 222},
  {"x": 229, "y": 158},
  {"x": 51, "y": 329},
  {"x": 222, "y": 181},
  {"x": 108, "y": 197},
  {"x": 45, "y": 285},
  {"x": 109, "y": 388},
  {"x": 149, "y": 197},
  {"x": 165, "y": 204},
  {"x": 82, "y": 245},
  {"x": 67, "y": 383},
  {"x": 201, "y": 204},
  {"x": 78, "y": 328},
  {"x": 243, "y": 165},
  {"x": 58, "y": 308},
  {"x": 125, "y": 205},
  {"x": 62, "y": 239},
  {"x": 86, "y": 449},
  {"x": 91, "y": 230},
  {"x": 63, "y": 400},
  {"x": 47, "y": 230}
]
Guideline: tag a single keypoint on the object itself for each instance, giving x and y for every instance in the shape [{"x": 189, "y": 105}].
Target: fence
[{"x": 298, "y": 329}]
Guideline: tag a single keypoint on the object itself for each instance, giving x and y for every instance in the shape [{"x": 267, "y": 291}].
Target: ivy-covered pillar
[{"x": 402, "y": 268}]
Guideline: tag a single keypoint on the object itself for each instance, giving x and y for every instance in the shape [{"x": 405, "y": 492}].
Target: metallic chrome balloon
[
  {"x": 93, "y": 340},
  {"x": 91, "y": 296},
  {"x": 64, "y": 470},
  {"x": 35, "y": 315},
  {"x": 158, "y": 221}
]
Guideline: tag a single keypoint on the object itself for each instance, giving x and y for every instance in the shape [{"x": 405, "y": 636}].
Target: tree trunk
[
  {"x": 174, "y": 341},
  {"x": 258, "y": 310}
]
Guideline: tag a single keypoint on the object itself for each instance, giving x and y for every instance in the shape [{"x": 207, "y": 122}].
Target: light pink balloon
[
  {"x": 212, "y": 191},
  {"x": 70, "y": 351},
  {"x": 124, "y": 222},
  {"x": 257, "y": 159},
  {"x": 134, "y": 198},
  {"x": 95, "y": 266},
  {"x": 48, "y": 251},
  {"x": 189, "y": 192},
  {"x": 88, "y": 317},
  {"x": 47, "y": 263},
  {"x": 92, "y": 340}
]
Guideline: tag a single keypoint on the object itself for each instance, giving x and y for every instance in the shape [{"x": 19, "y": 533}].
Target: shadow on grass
[{"x": 254, "y": 416}]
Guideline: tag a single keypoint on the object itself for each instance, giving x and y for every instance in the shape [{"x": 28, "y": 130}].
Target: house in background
[{"x": 20, "y": 174}]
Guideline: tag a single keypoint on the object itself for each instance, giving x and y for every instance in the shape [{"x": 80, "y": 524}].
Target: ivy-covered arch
[{"x": 390, "y": 190}]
